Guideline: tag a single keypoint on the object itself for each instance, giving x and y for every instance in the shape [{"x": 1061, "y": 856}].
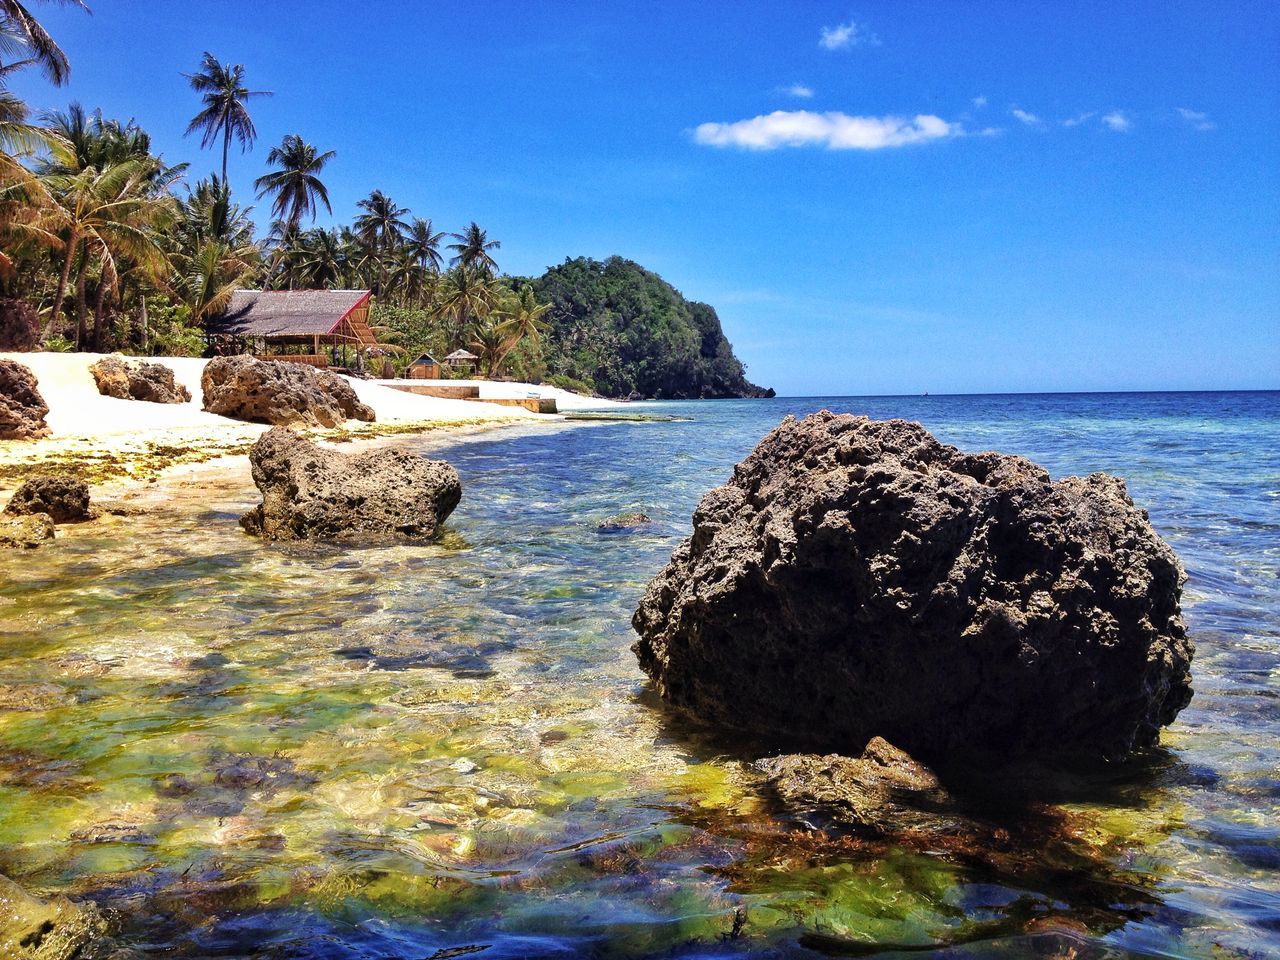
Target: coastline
[{"x": 116, "y": 444}]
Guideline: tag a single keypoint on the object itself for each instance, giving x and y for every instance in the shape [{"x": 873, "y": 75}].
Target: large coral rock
[
  {"x": 19, "y": 325},
  {"x": 271, "y": 391},
  {"x": 22, "y": 409},
  {"x": 857, "y": 578},
  {"x": 152, "y": 382},
  {"x": 65, "y": 499},
  {"x": 309, "y": 493},
  {"x": 25, "y": 533}
]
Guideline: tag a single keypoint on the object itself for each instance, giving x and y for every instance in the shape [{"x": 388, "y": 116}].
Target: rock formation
[
  {"x": 25, "y": 533},
  {"x": 64, "y": 499},
  {"x": 22, "y": 409},
  {"x": 54, "y": 929},
  {"x": 19, "y": 325},
  {"x": 270, "y": 391},
  {"x": 309, "y": 493},
  {"x": 624, "y": 523},
  {"x": 152, "y": 382},
  {"x": 857, "y": 578}
]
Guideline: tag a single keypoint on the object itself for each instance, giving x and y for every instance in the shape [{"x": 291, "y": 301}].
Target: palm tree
[
  {"x": 31, "y": 42},
  {"x": 214, "y": 249},
  {"x": 473, "y": 248},
  {"x": 464, "y": 296},
  {"x": 423, "y": 244},
  {"x": 226, "y": 112},
  {"x": 296, "y": 185},
  {"x": 323, "y": 262},
  {"x": 382, "y": 227}
]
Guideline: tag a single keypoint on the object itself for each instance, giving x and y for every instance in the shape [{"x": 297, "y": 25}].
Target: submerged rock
[
  {"x": 884, "y": 791},
  {"x": 27, "y": 532},
  {"x": 270, "y": 391},
  {"x": 22, "y": 409},
  {"x": 152, "y": 382},
  {"x": 858, "y": 578},
  {"x": 54, "y": 929},
  {"x": 64, "y": 499},
  {"x": 309, "y": 493},
  {"x": 624, "y": 522}
]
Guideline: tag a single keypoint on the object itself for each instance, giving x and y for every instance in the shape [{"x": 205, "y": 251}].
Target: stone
[
  {"x": 25, "y": 533},
  {"x": 857, "y": 578},
  {"x": 278, "y": 393},
  {"x": 19, "y": 326},
  {"x": 624, "y": 522},
  {"x": 151, "y": 382},
  {"x": 310, "y": 493},
  {"x": 64, "y": 499},
  {"x": 53, "y": 929},
  {"x": 22, "y": 409},
  {"x": 884, "y": 791}
]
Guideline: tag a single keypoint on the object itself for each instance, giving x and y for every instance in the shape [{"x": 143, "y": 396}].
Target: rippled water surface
[{"x": 447, "y": 750}]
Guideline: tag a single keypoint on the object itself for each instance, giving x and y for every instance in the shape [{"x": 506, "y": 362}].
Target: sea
[{"x": 237, "y": 749}]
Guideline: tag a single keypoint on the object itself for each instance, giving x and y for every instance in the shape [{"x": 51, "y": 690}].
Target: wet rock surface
[
  {"x": 25, "y": 533},
  {"x": 64, "y": 499},
  {"x": 22, "y": 408},
  {"x": 290, "y": 394},
  {"x": 624, "y": 522},
  {"x": 53, "y": 929},
  {"x": 857, "y": 578},
  {"x": 151, "y": 382},
  {"x": 310, "y": 493}
]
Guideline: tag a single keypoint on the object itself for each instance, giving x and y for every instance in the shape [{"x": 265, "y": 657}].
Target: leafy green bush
[{"x": 57, "y": 343}]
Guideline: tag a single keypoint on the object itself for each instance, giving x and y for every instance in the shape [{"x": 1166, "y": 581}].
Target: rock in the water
[
  {"x": 22, "y": 409},
  {"x": 884, "y": 791},
  {"x": 624, "y": 522},
  {"x": 54, "y": 929},
  {"x": 152, "y": 382},
  {"x": 25, "y": 533},
  {"x": 309, "y": 493},
  {"x": 271, "y": 391},
  {"x": 857, "y": 578},
  {"x": 65, "y": 499}
]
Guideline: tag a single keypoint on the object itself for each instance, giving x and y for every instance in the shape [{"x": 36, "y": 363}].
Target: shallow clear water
[{"x": 249, "y": 750}]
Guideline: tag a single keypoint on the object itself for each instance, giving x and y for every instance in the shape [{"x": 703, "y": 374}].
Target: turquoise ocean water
[{"x": 413, "y": 752}]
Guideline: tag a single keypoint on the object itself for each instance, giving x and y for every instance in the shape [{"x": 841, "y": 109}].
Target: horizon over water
[{"x": 445, "y": 750}]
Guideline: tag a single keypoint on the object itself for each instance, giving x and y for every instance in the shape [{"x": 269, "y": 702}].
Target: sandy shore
[{"x": 116, "y": 441}]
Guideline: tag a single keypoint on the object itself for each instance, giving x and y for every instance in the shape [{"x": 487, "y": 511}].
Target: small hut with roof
[
  {"x": 303, "y": 326},
  {"x": 461, "y": 359}
]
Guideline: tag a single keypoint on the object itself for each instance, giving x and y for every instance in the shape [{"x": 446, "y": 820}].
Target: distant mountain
[{"x": 625, "y": 332}]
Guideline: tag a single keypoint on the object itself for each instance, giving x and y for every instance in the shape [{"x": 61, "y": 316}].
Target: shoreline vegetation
[{"x": 105, "y": 246}]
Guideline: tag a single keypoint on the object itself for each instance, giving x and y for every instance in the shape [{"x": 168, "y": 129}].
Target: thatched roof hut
[{"x": 280, "y": 318}]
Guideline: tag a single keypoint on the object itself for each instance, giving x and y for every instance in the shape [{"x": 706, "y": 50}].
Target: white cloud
[
  {"x": 798, "y": 90},
  {"x": 835, "y": 131},
  {"x": 1078, "y": 119},
  {"x": 979, "y": 102},
  {"x": 845, "y": 35},
  {"x": 1198, "y": 120},
  {"x": 1030, "y": 119},
  {"x": 1117, "y": 121}
]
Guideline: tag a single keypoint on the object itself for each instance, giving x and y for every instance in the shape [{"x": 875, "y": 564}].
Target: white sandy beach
[{"x": 84, "y": 425}]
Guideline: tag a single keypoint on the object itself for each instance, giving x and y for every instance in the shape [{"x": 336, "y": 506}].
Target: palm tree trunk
[
  {"x": 72, "y": 242},
  {"x": 99, "y": 303},
  {"x": 82, "y": 307},
  {"x": 226, "y": 145},
  {"x": 143, "y": 297}
]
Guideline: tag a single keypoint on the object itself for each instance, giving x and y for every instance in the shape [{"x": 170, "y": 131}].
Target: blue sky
[{"x": 883, "y": 197}]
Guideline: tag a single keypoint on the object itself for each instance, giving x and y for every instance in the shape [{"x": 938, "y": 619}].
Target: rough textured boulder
[
  {"x": 884, "y": 791},
  {"x": 857, "y": 578},
  {"x": 309, "y": 493},
  {"x": 152, "y": 382},
  {"x": 64, "y": 499},
  {"x": 25, "y": 533},
  {"x": 271, "y": 391},
  {"x": 624, "y": 523},
  {"x": 22, "y": 409},
  {"x": 19, "y": 325},
  {"x": 54, "y": 929}
]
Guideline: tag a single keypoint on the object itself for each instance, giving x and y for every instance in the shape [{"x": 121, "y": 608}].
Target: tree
[
  {"x": 381, "y": 226},
  {"x": 473, "y": 248},
  {"x": 423, "y": 244},
  {"x": 296, "y": 186},
  {"x": 226, "y": 111},
  {"x": 214, "y": 249},
  {"x": 464, "y": 296},
  {"x": 31, "y": 42}
]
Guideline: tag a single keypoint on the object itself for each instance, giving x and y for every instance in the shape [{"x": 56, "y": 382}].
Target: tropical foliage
[{"x": 115, "y": 249}]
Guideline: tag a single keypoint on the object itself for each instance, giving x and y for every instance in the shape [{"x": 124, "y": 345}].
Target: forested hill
[{"x": 623, "y": 331}]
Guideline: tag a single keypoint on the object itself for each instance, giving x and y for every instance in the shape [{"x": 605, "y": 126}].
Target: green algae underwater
[{"x": 239, "y": 749}]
